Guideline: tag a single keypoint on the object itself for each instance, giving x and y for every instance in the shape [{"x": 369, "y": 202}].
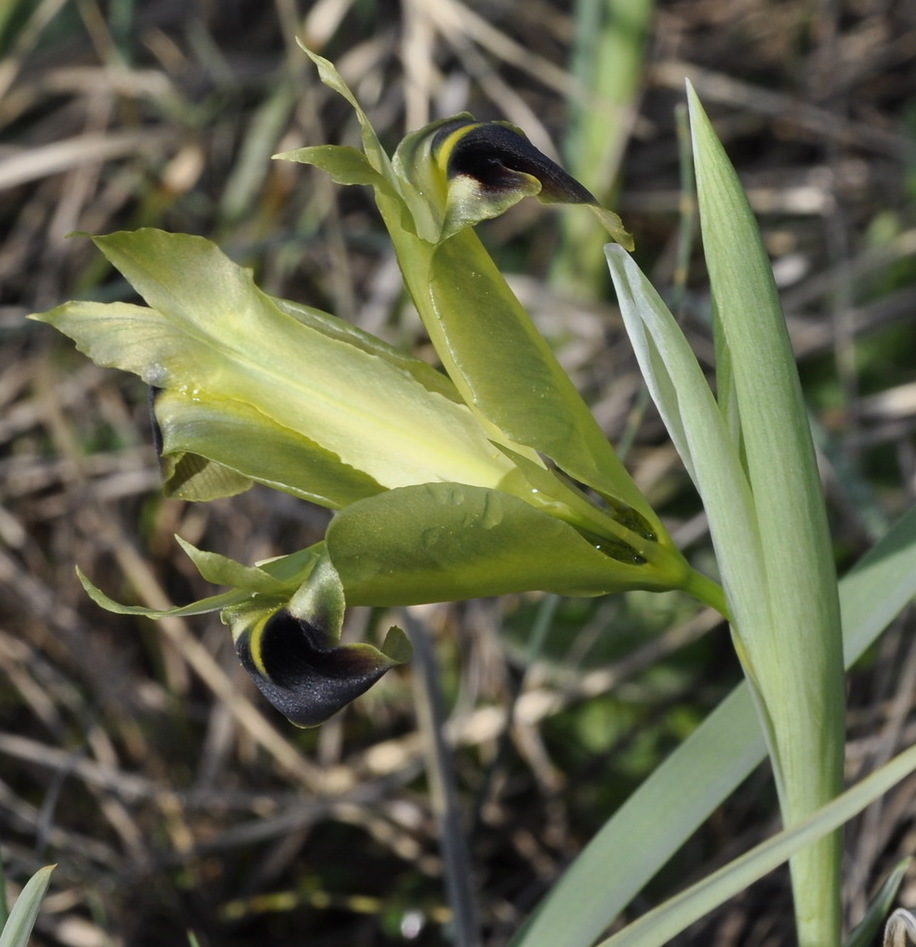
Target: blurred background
[{"x": 137, "y": 755}]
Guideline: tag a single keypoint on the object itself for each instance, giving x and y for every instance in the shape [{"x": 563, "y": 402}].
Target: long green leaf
[
  {"x": 660, "y": 816},
  {"x": 698, "y": 431},
  {"x": 795, "y": 652}
]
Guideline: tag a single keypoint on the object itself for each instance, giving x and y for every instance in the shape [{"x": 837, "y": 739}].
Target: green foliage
[
  {"x": 494, "y": 477},
  {"x": 790, "y": 637},
  {"x": 646, "y": 831}
]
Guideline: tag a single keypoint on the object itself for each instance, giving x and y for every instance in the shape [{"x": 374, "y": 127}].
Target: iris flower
[{"x": 488, "y": 477}]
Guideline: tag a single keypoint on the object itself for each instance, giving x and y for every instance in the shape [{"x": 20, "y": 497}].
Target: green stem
[{"x": 703, "y": 588}]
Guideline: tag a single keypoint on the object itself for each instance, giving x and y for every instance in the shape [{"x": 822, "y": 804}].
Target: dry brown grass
[{"x": 137, "y": 756}]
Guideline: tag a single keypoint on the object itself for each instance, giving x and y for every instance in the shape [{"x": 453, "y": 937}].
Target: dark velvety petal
[
  {"x": 495, "y": 155},
  {"x": 298, "y": 669}
]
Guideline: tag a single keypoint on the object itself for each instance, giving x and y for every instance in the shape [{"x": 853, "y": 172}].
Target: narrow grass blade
[
  {"x": 658, "y": 926},
  {"x": 866, "y": 931},
  {"x": 649, "y": 827},
  {"x": 22, "y": 918}
]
